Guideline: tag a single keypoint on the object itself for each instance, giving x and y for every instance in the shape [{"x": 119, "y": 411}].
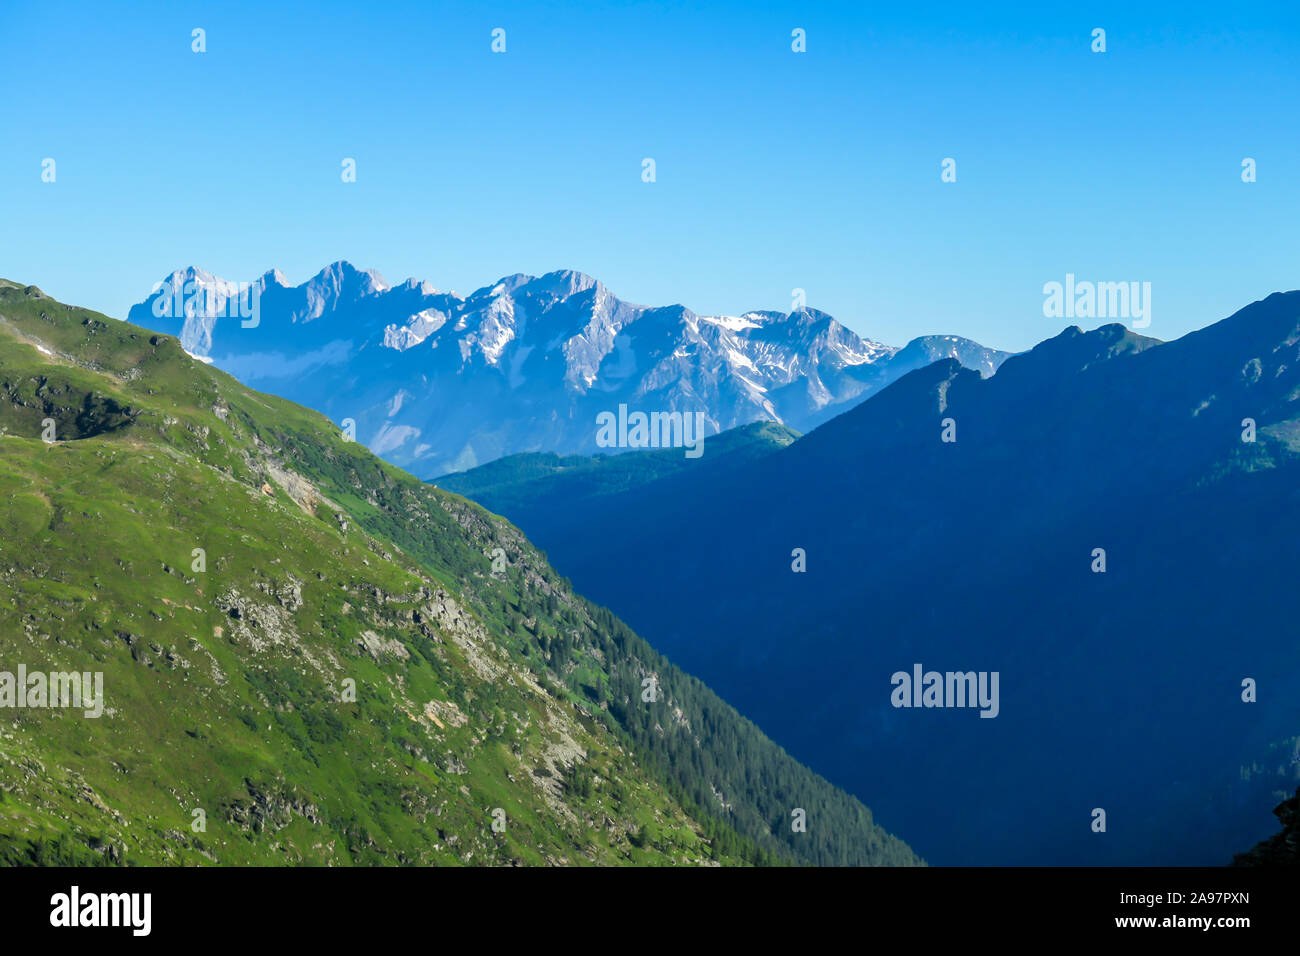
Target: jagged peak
[
  {"x": 422, "y": 286},
  {"x": 506, "y": 285},
  {"x": 564, "y": 283},
  {"x": 340, "y": 271}
]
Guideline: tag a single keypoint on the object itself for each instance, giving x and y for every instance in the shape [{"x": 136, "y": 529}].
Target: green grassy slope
[
  {"x": 361, "y": 670},
  {"x": 537, "y": 481}
]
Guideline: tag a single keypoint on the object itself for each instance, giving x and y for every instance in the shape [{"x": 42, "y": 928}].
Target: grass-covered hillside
[
  {"x": 536, "y": 476},
  {"x": 538, "y": 483},
  {"x": 310, "y": 657}
]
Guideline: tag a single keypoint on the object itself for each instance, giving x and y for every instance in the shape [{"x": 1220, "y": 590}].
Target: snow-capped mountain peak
[{"x": 437, "y": 382}]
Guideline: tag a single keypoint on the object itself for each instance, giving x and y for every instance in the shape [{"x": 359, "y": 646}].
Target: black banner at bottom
[{"x": 336, "y": 906}]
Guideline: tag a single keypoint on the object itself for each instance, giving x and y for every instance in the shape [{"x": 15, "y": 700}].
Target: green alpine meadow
[{"x": 302, "y": 655}]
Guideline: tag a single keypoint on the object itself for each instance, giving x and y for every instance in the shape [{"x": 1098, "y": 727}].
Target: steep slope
[
  {"x": 1121, "y": 689},
  {"x": 308, "y": 656},
  {"x": 436, "y": 382}
]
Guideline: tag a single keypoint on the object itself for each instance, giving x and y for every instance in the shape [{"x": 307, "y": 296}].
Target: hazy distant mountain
[
  {"x": 1120, "y": 689},
  {"x": 436, "y": 382}
]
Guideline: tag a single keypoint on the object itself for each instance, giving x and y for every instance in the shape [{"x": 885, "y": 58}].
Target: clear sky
[{"x": 775, "y": 169}]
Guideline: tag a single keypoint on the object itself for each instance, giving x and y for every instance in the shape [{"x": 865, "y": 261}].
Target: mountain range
[
  {"x": 288, "y": 651},
  {"x": 435, "y": 382},
  {"x": 1109, "y": 523},
  {"x": 1106, "y": 526}
]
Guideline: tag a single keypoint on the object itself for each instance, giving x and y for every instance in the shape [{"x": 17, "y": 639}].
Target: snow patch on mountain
[{"x": 526, "y": 363}]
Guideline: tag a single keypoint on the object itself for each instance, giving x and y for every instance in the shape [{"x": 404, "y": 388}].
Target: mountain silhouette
[{"x": 1121, "y": 689}]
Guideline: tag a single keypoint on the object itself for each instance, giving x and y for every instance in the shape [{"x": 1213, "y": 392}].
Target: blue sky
[{"x": 775, "y": 170}]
